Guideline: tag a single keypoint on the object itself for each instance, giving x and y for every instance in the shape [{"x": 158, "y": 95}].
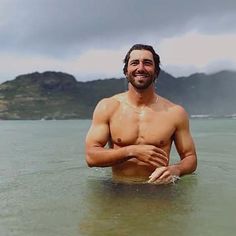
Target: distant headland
[{"x": 57, "y": 95}]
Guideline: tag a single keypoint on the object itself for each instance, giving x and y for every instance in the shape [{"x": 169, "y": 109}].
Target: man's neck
[{"x": 141, "y": 97}]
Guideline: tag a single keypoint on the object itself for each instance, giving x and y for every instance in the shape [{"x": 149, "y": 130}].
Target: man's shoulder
[
  {"x": 110, "y": 104},
  {"x": 174, "y": 108},
  {"x": 119, "y": 97},
  {"x": 112, "y": 101}
]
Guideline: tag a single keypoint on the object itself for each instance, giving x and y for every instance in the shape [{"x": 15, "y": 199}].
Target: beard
[{"x": 141, "y": 83}]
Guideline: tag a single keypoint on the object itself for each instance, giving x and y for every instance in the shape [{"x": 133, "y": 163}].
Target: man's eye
[
  {"x": 134, "y": 63},
  {"x": 148, "y": 63}
]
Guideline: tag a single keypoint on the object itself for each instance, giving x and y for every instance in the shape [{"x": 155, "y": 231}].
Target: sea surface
[{"x": 46, "y": 189}]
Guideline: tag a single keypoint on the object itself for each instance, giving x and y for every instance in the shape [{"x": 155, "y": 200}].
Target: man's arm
[
  {"x": 99, "y": 134},
  {"x": 186, "y": 150},
  {"x": 185, "y": 145}
]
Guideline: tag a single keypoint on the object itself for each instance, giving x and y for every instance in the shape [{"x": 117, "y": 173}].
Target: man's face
[{"x": 141, "y": 69}]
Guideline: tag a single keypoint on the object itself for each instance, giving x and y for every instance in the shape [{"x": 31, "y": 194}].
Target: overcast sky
[{"x": 89, "y": 38}]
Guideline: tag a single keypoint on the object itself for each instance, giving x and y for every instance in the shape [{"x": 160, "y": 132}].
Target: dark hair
[{"x": 142, "y": 47}]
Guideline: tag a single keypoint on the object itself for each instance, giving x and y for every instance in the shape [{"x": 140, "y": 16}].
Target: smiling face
[{"x": 141, "y": 69}]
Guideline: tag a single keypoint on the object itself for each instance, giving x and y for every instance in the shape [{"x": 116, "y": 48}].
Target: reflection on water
[{"x": 124, "y": 209}]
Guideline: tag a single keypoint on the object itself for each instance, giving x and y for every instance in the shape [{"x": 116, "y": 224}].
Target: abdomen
[{"x": 132, "y": 169}]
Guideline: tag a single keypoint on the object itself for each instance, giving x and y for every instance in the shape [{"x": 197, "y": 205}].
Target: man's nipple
[
  {"x": 119, "y": 140},
  {"x": 162, "y": 143}
]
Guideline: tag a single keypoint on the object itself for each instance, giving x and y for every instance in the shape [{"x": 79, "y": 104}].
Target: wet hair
[{"x": 142, "y": 47}]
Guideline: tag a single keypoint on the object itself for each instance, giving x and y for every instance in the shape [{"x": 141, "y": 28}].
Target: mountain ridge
[{"x": 58, "y": 95}]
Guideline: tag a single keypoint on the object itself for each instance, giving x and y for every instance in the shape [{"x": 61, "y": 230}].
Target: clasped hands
[{"x": 158, "y": 158}]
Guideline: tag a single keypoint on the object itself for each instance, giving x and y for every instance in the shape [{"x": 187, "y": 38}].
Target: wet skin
[
  {"x": 130, "y": 125},
  {"x": 140, "y": 126}
]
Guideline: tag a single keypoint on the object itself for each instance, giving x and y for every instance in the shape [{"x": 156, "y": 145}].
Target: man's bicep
[
  {"x": 99, "y": 131},
  {"x": 98, "y": 135},
  {"x": 184, "y": 144}
]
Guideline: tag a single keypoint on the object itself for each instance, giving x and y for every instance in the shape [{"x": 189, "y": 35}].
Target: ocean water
[{"x": 47, "y": 189}]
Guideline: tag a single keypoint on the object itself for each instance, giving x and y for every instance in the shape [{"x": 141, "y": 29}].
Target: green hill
[
  {"x": 57, "y": 95},
  {"x": 51, "y": 95}
]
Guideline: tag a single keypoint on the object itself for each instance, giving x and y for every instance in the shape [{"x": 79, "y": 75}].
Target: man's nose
[{"x": 140, "y": 66}]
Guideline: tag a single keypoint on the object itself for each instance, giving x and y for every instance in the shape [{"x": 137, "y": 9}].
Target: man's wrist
[
  {"x": 129, "y": 151},
  {"x": 175, "y": 170}
]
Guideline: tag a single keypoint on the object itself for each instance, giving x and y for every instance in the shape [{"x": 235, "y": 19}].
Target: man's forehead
[{"x": 141, "y": 55}]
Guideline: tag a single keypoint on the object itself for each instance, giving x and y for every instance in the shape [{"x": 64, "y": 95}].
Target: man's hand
[
  {"x": 164, "y": 175},
  {"x": 149, "y": 154}
]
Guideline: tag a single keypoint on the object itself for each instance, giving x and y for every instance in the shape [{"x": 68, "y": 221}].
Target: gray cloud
[{"x": 64, "y": 27}]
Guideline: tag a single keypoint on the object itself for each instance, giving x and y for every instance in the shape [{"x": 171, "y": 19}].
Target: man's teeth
[{"x": 141, "y": 75}]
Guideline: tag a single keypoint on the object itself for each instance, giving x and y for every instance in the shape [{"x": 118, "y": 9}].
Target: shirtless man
[{"x": 140, "y": 126}]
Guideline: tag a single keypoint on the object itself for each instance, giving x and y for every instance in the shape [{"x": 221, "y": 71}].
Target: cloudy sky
[{"x": 89, "y": 38}]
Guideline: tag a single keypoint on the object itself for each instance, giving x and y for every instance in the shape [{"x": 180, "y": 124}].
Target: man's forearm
[
  {"x": 186, "y": 166},
  {"x": 102, "y": 157}
]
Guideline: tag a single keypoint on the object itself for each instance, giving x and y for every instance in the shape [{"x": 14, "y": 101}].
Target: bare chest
[{"x": 146, "y": 126}]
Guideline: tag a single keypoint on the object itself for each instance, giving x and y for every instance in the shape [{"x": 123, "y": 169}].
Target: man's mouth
[{"x": 141, "y": 75}]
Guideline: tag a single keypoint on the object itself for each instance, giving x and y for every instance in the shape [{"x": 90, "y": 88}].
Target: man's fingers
[
  {"x": 163, "y": 160},
  {"x": 161, "y": 154},
  {"x": 156, "y": 174},
  {"x": 165, "y": 175},
  {"x": 168, "y": 180},
  {"x": 154, "y": 163},
  {"x": 158, "y": 162},
  {"x": 161, "y": 151}
]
